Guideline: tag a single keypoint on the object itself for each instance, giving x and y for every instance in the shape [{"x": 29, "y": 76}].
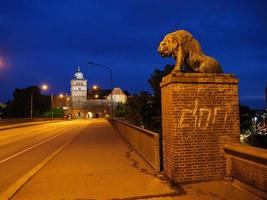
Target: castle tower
[{"x": 78, "y": 87}]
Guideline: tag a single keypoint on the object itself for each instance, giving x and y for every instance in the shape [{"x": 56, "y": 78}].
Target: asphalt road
[{"x": 21, "y": 149}]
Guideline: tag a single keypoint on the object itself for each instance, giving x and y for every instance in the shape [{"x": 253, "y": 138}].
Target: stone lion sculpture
[{"x": 188, "y": 53}]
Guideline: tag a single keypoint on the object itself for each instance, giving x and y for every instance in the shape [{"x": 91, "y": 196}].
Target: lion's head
[{"x": 169, "y": 45}]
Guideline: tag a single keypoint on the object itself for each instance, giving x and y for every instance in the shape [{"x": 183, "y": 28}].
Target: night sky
[{"x": 44, "y": 41}]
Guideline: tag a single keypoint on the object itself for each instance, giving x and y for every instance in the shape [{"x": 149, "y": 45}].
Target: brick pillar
[{"x": 200, "y": 112}]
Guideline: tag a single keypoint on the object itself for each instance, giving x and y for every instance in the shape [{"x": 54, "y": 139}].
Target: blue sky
[{"x": 44, "y": 41}]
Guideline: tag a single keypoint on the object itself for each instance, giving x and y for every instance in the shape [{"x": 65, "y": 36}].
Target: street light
[
  {"x": 94, "y": 87},
  {"x": 43, "y": 87},
  {"x": 111, "y": 81},
  {"x": 255, "y": 119}
]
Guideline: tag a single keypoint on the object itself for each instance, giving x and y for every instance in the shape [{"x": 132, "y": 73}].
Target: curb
[{"x": 29, "y": 124}]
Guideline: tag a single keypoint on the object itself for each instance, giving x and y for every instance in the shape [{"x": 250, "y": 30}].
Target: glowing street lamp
[
  {"x": 111, "y": 80},
  {"x": 95, "y": 87},
  {"x": 96, "y": 96},
  {"x": 61, "y": 95},
  {"x": 43, "y": 87},
  {"x": 1, "y": 62},
  {"x": 255, "y": 119}
]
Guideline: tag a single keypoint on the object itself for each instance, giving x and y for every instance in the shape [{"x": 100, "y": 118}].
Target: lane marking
[
  {"x": 22, "y": 125},
  {"x": 36, "y": 145},
  {"x": 34, "y": 132},
  {"x": 12, "y": 190}
]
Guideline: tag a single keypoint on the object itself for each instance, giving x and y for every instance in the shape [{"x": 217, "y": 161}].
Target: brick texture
[{"x": 200, "y": 113}]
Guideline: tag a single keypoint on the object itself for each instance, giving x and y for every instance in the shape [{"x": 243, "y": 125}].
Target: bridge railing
[
  {"x": 145, "y": 142},
  {"x": 248, "y": 167}
]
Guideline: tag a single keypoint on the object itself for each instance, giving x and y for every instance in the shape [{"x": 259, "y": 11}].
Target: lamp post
[
  {"x": 111, "y": 81},
  {"x": 43, "y": 87},
  {"x": 52, "y": 111},
  {"x": 31, "y": 104},
  {"x": 93, "y": 88},
  {"x": 255, "y": 119}
]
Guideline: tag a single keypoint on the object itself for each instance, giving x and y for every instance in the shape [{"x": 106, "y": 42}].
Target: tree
[
  {"x": 156, "y": 78},
  {"x": 57, "y": 112},
  {"x": 20, "y": 106},
  {"x": 144, "y": 109},
  {"x": 138, "y": 109},
  {"x": 120, "y": 110},
  {"x": 2, "y": 110},
  {"x": 246, "y": 115},
  {"x": 154, "y": 81}
]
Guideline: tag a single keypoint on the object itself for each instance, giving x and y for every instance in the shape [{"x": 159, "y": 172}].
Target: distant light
[
  {"x": 255, "y": 119},
  {"x": 61, "y": 95},
  {"x": 44, "y": 87},
  {"x": 96, "y": 96},
  {"x": 1, "y": 62},
  {"x": 95, "y": 87}
]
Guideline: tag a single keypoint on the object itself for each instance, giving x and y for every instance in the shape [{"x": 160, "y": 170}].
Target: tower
[{"x": 78, "y": 87}]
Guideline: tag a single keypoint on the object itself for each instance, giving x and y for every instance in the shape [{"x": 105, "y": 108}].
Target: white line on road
[
  {"x": 8, "y": 194},
  {"x": 29, "y": 148}
]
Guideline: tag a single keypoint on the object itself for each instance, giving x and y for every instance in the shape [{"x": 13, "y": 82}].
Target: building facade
[
  {"x": 79, "y": 106},
  {"x": 78, "y": 87}
]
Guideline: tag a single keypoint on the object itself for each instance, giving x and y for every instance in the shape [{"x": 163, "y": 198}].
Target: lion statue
[{"x": 188, "y": 53}]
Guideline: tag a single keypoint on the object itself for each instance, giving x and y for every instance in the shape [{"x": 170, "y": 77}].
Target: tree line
[{"x": 20, "y": 105}]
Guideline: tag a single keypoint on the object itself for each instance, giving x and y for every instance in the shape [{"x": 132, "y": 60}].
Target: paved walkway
[{"x": 100, "y": 165}]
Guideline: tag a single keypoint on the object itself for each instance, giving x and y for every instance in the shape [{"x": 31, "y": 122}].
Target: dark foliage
[
  {"x": 246, "y": 115},
  {"x": 155, "y": 80},
  {"x": 120, "y": 110},
  {"x": 20, "y": 106},
  {"x": 140, "y": 111},
  {"x": 144, "y": 109}
]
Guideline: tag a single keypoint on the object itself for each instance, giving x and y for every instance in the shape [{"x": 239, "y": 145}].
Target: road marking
[
  {"x": 33, "y": 132},
  {"x": 36, "y": 145},
  {"x": 21, "y": 125},
  {"x": 12, "y": 190}
]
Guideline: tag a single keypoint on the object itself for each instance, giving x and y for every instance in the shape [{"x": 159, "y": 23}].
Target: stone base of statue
[{"x": 200, "y": 112}]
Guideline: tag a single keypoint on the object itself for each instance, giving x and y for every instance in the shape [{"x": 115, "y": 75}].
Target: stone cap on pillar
[{"x": 202, "y": 78}]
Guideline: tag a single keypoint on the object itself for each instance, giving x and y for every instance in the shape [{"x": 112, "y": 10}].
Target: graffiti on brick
[{"x": 203, "y": 117}]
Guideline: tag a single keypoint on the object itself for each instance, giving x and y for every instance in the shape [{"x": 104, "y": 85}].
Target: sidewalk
[
  {"x": 96, "y": 165},
  {"x": 100, "y": 165}
]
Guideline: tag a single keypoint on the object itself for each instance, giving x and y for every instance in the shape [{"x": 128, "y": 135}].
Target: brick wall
[{"x": 199, "y": 113}]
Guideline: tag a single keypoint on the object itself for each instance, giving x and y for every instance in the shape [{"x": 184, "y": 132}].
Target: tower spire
[{"x": 78, "y": 68}]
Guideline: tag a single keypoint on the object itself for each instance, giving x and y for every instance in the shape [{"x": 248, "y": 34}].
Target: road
[{"x": 21, "y": 149}]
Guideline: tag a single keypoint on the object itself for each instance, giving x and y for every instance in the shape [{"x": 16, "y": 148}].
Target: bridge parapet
[
  {"x": 248, "y": 166},
  {"x": 145, "y": 142}
]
